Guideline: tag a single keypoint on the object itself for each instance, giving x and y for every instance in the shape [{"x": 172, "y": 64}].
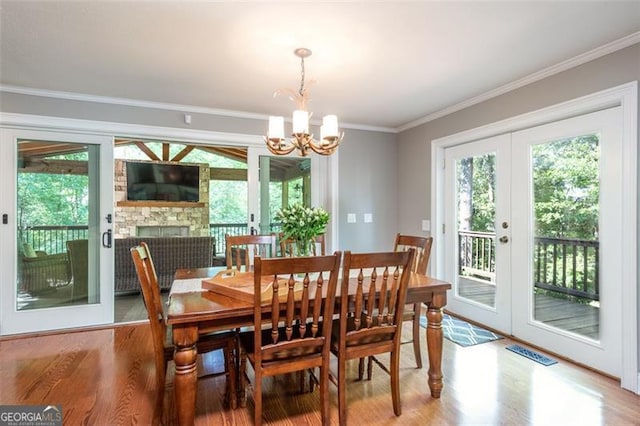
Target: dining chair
[
  {"x": 163, "y": 348},
  {"x": 422, "y": 246},
  {"x": 370, "y": 325},
  {"x": 296, "y": 339},
  {"x": 288, "y": 246},
  {"x": 243, "y": 249}
]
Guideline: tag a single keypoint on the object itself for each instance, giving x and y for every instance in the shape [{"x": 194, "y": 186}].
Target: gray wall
[
  {"x": 368, "y": 168},
  {"x": 367, "y": 160},
  {"x": 414, "y": 145}
]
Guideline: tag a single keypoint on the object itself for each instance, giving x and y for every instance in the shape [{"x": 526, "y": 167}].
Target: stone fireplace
[
  {"x": 160, "y": 218},
  {"x": 162, "y": 231}
]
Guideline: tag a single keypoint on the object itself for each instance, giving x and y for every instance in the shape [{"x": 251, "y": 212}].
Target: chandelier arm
[
  {"x": 275, "y": 148},
  {"x": 327, "y": 148}
]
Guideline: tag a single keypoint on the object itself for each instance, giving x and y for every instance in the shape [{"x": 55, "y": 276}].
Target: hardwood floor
[{"x": 106, "y": 377}]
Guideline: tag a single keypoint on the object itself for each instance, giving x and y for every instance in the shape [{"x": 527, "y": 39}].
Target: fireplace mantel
[{"x": 184, "y": 204}]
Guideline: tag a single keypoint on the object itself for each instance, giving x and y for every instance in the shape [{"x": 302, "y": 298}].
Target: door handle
[
  {"x": 106, "y": 235},
  {"x": 504, "y": 239}
]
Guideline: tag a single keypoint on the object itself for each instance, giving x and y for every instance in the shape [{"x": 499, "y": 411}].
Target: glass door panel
[
  {"x": 53, "y": 227},
  {"x": 60, "y": 259},
  {"x": 566, "y": 176},
  {"x": 284, "y": 181},
  {"x": 476, "y": 213}
]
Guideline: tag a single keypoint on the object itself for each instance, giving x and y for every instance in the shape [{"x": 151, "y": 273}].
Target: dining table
[{"x": 193, "y": 309}]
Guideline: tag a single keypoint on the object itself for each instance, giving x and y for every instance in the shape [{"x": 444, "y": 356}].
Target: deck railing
[
  {"x": 219, "y": 230},
  {"x": 52, "y": 239},
  {"x": 568, "y": 266},
  {"x": 477, "y": 254},
  {"x": 563, "y": 265}
]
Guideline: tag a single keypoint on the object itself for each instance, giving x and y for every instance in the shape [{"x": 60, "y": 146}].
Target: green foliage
[
  {"x": 476, "y": 183},
  {"x": 228, "y": 201},
  {"x": 566, "y": 187},
  {"x": 52, "y": 199}
]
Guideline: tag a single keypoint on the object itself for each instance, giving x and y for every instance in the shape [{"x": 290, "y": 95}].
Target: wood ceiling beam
[
  {"x": 218, "y": 173},
  {"x": 59, "y": 167},
  {"x": 165, "y": 151},
  {"x": 185, "y": 151},
  {"x": 144, "y": 148},
  {"x": 237, "y": 154}
]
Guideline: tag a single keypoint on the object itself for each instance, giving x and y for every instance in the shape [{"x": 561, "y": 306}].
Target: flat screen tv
[{"x": 162, "y": 182}]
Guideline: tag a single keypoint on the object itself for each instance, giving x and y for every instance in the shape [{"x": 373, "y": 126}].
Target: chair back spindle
[{"x": 243, "y": 249}]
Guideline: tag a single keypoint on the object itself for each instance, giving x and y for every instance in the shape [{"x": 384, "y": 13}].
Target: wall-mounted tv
[{"x": 162, "y": 182}]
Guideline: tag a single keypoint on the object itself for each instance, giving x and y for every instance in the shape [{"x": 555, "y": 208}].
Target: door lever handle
[{"x": 504, "y": 239}]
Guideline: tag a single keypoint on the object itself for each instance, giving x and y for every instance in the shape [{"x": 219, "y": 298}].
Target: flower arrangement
[{"x": 302, "y": 224}]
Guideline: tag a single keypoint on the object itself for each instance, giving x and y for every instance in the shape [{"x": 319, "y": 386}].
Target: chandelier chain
[{"x": 301, "y": 91}]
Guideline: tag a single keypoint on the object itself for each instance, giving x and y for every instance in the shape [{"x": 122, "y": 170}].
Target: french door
[
  {"x": 56, "y": 212},
  {"x": 534, "y": 239},
  {"x": 567, "y": 263},
  {"x": 477, "y": 187}
]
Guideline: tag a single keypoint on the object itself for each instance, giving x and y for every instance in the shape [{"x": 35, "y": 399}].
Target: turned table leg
[
  {"x": 186, "y": 377},
  {"x": 434, "y": 344}
]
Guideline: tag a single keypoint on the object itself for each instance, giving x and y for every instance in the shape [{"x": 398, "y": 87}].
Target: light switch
[
  {"x": 426, "y": 225},
  {"x": 351, "y": 218},
  {"x": 368, "y": 218}
]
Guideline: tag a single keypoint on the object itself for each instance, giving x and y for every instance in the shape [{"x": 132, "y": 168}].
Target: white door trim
[{"x": 626, "y": 96}]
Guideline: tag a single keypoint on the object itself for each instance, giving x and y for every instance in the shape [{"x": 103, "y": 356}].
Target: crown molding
[
  {"x": 187, "y": 109},
  {"x": 583, "y": 58},
  {"x": 96, "y": 127}
]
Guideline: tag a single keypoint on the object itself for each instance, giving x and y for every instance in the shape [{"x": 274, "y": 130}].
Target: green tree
[{"x": 566, "y": 187}]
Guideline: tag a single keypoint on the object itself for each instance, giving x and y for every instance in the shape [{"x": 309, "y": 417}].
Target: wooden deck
[{"x": 554, "y": 311}]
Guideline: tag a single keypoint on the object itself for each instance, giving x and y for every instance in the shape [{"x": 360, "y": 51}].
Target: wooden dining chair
[
  {"x": 243, "y": 249},
  {"x": 288, "y": 246},
  {"x": 163, "y": 348},
  {"x": 370, "y": 321},
  {"x": 297, "y": 338},
  {"x": 422, "y": 246}
]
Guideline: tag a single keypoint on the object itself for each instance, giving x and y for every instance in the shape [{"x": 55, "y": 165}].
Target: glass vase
[{"x": 303, "y": 247}]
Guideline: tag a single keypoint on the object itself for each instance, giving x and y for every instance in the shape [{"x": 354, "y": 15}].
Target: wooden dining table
[{"x": 193, "y": 310}]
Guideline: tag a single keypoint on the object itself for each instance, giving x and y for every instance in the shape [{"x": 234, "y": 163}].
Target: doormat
[
  {"x": 539, "y": 358},
  {"x": 463, "y": 333}
]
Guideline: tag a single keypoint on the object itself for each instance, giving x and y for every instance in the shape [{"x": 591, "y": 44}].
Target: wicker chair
[{"x": 44, "y": 272}]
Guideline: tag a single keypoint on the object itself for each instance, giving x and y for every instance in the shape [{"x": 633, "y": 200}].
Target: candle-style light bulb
[
  {"x": 300, "y": 121},
  {"x": 276, "y": 128},
  {"x": 330, "y": 125}
]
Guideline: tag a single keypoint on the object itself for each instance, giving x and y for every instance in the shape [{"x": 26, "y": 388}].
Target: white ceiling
[{"x": 382, "y": 64}]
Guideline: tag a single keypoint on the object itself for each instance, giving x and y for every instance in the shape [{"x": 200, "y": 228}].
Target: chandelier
[{"x": 301, "y": 139}]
